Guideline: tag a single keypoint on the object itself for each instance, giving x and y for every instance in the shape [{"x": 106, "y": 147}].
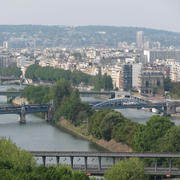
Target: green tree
[
  {"x": 147, "y": 135},
  {"x": 127, "y": 169},
  {"x": 170, "y": 142},
  {"x": 60, "y": 90}
]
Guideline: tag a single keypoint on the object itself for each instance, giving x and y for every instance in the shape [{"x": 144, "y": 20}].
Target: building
[
  {"x": 151, "y": 80},
  {"x": 5, "y": 44},
  {"x": 140, "y": 39},
  {"x": 127, "y": 77},
  {"x": 136, "y": 73},
  {"x": 162, "y": 54}
]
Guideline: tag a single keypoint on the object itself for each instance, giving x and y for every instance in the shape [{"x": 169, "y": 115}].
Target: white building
[{"x": 136, "y": 72}]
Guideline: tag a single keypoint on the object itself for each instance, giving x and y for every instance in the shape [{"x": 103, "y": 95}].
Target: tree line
[
  {"x": 17, "y": 164},
  {"x": 153, "y": 136},
  {"x": 11, "y": 71},
  {"x": 50, "y": 74},
  {"x": 159, "y": 134}
]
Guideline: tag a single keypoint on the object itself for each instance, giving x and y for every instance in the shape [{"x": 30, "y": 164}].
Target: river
[{"x": 38, "y": 135}]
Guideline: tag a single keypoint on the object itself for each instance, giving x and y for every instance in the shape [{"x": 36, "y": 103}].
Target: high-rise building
[
  {"x": 162, "y": 54},
  {"x": 140, "y": 39},
  {"x": 5, "y": 44},
  {"x": 136, "y": 73},
  {"x": 127, "y": 77}
]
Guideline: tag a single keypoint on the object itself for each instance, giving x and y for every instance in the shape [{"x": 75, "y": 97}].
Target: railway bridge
[{"x": 96, "y": 167}]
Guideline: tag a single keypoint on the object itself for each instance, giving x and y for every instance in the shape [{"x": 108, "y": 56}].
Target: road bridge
[
  {"x": 11, "y": 93},
  {"x": 8, "y": 78},
  {"x": 123, "y": 103},
  {"x": 99, "y": 168},
  {"x": 22, "y": 110}
]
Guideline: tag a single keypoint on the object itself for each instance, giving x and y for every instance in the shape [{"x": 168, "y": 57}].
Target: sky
[{"x": 157, "y": 14}]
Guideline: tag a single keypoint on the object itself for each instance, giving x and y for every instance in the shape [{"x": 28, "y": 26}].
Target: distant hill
[{"x": 80, "y": 36}]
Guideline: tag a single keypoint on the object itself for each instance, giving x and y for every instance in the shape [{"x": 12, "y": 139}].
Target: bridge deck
[{"x": 104, "y": 154}]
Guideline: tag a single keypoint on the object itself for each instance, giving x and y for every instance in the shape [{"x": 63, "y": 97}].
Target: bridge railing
[{"x": 92, "y": 161}]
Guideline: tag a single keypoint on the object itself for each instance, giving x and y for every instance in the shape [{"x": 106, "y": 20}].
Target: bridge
[
  {"x": 87, "y": 93},
  {"x": 96, "y": 167},
  {"x": 22, "y": 110},
  {"x": 11, "y": 93},
  {"x": 7, "y": 78},
  {"x": 133, "y": 102},
  {"x": 111, "y": 94}
]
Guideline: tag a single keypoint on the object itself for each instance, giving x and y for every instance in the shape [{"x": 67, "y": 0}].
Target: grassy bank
[{"x": 81, "y": 131}]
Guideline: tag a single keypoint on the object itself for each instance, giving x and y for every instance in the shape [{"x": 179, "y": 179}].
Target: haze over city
[
  {"x": 89, "y": 88},
  {"x": 158, "y": 14}
]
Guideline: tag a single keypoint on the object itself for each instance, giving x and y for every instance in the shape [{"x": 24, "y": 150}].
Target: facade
[
  {"x": 152, "y": 55},
  {"x": 140, "y": 39},
  {"x": 136, "y": 73},
  {"x": 127, "y": 77},
  {"x": 6, "y": 61},
  {"x": 150, "y": 80}
]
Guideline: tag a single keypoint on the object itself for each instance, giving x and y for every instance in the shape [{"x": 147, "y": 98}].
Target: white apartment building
[{"x": 136, "y": 72}]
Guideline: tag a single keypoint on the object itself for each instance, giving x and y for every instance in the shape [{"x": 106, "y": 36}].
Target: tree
[
  {"x": 171, "y": 140},
  {"x": 60, "y": 90},
  {"x": 147, "y": 135},
  {"x": 127, "y": 169}
]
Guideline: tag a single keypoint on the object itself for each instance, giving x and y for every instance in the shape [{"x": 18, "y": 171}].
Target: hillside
[{"x": 80, "y": 36}]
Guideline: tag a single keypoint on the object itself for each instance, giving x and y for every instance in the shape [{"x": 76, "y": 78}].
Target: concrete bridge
[
  {"x": 7, "y": 78},
  {"x": 11, "y": 93},
  {"x": 99, "y": 168},
  {"x": 26, "y": 109}
]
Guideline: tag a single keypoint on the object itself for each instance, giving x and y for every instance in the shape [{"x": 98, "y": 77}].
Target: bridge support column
[
  {"x": 44, "y": 160},
  {"x": 155, "y": 167},
  {"x": 71, "y": 158},
  {"x": 49, "y": 114},
  {"x": 22, "y": 115},
  {"x": 170, "y": 164},
  {"x": 85, "y": 162},
  {"x": 99, "y": 160},
  {"x": 114, "y": 160},
  {"x": 57, "y": 160}
]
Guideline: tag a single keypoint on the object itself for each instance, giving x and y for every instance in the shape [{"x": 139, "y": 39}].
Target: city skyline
[{"x": 156, "y": 14}]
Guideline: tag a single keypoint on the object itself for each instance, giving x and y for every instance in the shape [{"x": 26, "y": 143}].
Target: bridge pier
[
  {"x": 85, "y": 162},
  {"x": 22, "y": 115},
  {"x": 114, "y": 160},
  {"x": 57, "y": 160},
  {"x": 71, "y": 158},
  {"x": 170, "y": 164},
  {"x": 49, "y": 114},
  {"x": 99, "y": 160},
  {"x": 44, "y": 160}
]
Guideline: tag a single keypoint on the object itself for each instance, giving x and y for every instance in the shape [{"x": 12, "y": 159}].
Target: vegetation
[
  {"x": 16, "y": 164},
  {"x": 127, "y": 169},
  {"x": 11, "y": 71},
  {"x": 109, "y": 124},
  {"x": 173, "y": 88},
  {"x": 105, "y": 124},
  {"x": 35, "y": 72},
  {"x": 147, "y": 136}
]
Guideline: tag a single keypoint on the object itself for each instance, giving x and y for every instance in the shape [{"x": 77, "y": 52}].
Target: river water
[{"x": 37, "y": 134}]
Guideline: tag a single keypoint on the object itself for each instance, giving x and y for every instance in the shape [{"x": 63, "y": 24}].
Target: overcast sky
[{"x": 158, "y": 14}]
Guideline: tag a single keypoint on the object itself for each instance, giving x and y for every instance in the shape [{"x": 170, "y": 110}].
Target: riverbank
[
  {"x": 19, "y": 101},
  {"x": 111, "y": 145}
]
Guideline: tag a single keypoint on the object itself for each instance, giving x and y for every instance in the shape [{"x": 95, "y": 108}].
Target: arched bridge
[
  {"x": 22, "y": 110},
  {"x": 132, "y": 102}
]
